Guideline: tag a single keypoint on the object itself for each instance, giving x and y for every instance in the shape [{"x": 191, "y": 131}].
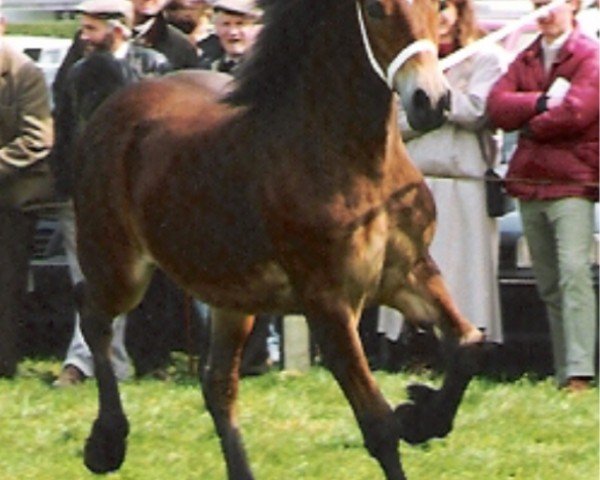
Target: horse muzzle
[{"x": 425, "y": 113}]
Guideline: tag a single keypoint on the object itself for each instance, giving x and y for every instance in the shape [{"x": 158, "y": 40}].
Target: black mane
[{"x": 282, "y": 56}]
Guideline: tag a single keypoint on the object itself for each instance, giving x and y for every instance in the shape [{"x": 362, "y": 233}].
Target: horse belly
[{"x": 263, "y": 289}]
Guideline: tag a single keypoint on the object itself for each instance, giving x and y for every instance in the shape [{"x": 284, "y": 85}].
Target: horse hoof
[
  {"x": 105, "y": 447},
  {"x": 420, "y": 419},
  {"x": 417, "y": 426},
  {"x": 408, "y": 418}
]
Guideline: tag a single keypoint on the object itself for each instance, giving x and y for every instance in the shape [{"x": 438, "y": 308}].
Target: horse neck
[
  {"x": 311, "y": 77},
  {"x": 348, "y": 102}
]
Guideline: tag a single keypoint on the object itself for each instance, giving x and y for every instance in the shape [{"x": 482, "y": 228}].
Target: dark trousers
[
  {"x": 16, "y": 241},
  {"x": 160, "y": 324}
]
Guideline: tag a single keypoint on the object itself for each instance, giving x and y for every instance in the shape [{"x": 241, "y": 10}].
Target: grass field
[
  {"x": 63, "y": 28},
  {"x": 296, "y": 426}
]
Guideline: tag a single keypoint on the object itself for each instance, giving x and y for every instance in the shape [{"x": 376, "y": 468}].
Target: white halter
[{"x": 403, "y": 56}]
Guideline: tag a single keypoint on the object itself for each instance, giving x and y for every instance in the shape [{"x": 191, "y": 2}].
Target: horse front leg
[
  {"x": 229, "y": 331},
  {"x": 105, "y": 447},
  {"x": 337, "y": 336},
  {"x": 430, "y": 412}
]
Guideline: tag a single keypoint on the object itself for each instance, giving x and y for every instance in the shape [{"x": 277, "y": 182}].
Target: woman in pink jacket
[{"x": 550, "y": 94}]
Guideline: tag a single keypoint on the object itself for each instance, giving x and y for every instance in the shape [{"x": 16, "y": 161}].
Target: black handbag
[{"x": 498, "y": 201}]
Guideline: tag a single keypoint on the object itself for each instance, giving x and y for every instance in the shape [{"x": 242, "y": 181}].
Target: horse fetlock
[
  {"x": 469, "y": 360},
  {"x": 105, "y": 447},
  {"x": 381, "y": 438}
]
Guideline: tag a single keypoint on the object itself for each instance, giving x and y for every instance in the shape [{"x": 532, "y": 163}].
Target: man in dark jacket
[
  {"x": 550, "y": 94},
  {"x": 152, "y": 30},
  {"x": 110, "y": 62},
  {"x": 151, "y": 331}
]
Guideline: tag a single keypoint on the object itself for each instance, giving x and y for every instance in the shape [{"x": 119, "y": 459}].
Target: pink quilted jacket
[{"x": 557, "y": 154}]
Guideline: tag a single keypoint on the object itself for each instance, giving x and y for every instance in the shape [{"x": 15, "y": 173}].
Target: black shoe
[{"x": 8, "y": 368}]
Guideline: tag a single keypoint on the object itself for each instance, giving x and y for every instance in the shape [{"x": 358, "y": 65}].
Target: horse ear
[{"x": 375, "y": 9}]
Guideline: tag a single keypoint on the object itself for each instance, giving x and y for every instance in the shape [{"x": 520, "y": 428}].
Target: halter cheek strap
[{"x": 403, "y": 56}]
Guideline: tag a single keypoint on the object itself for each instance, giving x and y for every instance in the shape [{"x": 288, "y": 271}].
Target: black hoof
[
  {"x": 105, "y": 447},
  {"x": 420, "y": 419}
]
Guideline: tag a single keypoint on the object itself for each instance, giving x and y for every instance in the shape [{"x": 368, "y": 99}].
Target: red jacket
[{"x": 560, "y": 145}]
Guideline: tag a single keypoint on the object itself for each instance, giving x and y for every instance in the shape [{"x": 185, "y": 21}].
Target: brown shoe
[
  {"x": 578, "y": 384},
  {"x": 69, "y": 377}
]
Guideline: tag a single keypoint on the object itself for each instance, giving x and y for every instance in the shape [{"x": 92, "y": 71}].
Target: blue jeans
[{"x": 560, "y": 237}]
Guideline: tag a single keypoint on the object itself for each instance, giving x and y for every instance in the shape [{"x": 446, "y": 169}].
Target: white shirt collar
[
  {"x": 557, "y": 43},
  {"x": 121, "y": 52},
  {"x": 141, "y": 29}
]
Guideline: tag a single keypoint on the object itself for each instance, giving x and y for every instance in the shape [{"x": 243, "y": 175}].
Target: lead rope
[{"x": 525, "y": 181}]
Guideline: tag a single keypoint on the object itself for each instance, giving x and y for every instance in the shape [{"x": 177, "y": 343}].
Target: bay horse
[{"x": 289, "y": 192}]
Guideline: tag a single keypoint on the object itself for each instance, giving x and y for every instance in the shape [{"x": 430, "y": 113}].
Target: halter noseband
[{"x": 403, "y": 56}]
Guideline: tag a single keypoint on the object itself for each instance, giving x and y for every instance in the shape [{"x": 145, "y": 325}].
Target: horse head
[{"x": 399, "y": 39}]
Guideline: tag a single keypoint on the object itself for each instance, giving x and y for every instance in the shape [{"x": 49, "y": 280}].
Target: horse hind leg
[
  {"x": 337, "y": 337},
  {"x": 229, "y": 331},
  {"x": 105, "y": 447}
]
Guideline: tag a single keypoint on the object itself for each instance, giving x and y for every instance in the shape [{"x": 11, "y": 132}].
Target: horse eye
[{"x": 375, "y": 9}]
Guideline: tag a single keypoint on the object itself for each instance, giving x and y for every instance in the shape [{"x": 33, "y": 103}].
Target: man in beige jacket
[{"x": 25, "y": 140}]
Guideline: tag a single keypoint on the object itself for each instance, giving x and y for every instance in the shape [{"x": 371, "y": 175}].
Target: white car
[{"x": 47, "y": 52}]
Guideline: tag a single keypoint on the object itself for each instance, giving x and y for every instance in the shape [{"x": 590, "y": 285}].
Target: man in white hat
[
  {"x": 236, "y": 28},
  {"x": 25, "y": 140},
  {"x": 111, "y": 61}
]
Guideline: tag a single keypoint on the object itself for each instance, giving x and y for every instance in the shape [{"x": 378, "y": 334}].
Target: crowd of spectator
[{"x": 549, "y": 93}]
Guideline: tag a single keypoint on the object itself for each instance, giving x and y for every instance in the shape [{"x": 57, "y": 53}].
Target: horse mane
[{"x": 282, "y": 53}]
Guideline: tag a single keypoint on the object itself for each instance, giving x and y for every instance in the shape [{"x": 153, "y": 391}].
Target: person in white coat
[{"x": 465, "y": 245}]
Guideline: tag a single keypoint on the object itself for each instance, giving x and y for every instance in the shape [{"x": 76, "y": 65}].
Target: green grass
[
  {"x": 62, "y": 29},
  {"x": 296, "y": 426}
]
